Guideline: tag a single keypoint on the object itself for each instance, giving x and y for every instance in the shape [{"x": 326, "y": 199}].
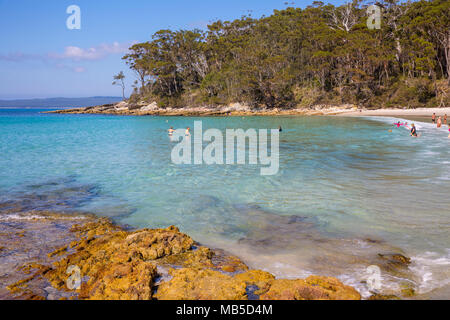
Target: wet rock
[
  {"x": 115, "y": 260},
  {"x": 408, "y": 290},
  {"x": 199, "y": 258},
  {"x": 206, "y": 284},
  {"x": 121, "y": 281},
  {"x": 396, "y": 258},
  {"x": 383, "y": 297},
  {"x": 255, "y": 278},
  {"x": 313, "y": 288},
  {"x": 158, "y": 264}
]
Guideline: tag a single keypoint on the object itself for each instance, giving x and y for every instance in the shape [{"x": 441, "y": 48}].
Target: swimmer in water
[
  {"x": 413, "y": 131},
  {"x": 171, "y": 131},
  {"x": 280, "y": 129},
  {"x": 188, "y": 132}
]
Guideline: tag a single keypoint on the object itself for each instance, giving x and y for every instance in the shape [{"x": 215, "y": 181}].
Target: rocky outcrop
[
  {"x": 313, "y": 288},
  {"x": 201, "y": 284},
  {"x": 233, "y": 109},
  {"x": 164, "y": 264}
]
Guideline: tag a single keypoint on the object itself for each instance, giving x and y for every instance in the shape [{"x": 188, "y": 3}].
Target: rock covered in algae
[
  {"x": 122, "y": 281},
  {"x": 201, "y": 284},
  {"x": 120, "y": 265},
  {"x": 378, "y": 296},
  {"x": 312, "y": 288},
  {"x": 195, "y": 284}
]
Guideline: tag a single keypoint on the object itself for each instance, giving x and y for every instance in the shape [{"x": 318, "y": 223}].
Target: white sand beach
[{"x": 423, "y": 112}]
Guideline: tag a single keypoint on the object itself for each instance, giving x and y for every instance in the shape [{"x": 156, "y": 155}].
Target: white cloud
[
  {"x": 71, "y": 54},
  {"x": 93, "y": 53}
]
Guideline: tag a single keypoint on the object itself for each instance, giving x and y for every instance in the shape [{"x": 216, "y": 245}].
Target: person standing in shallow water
[
  {"x": 433, "y": 118},
  {"x": 413, "y": 131},
  {"x": 445, "y": 119},
  {"x": 188, "y": 132},
  {"x": 439, "y": 122}
]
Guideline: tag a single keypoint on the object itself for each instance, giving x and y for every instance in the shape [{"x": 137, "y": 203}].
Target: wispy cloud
[
  {"x": 93, "y": 53},
  {"x": 71, "y": 54},
  {"x": 20, "y": 56}
]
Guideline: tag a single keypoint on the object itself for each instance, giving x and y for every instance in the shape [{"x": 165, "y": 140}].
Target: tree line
[{"x": 322, "y": 54}]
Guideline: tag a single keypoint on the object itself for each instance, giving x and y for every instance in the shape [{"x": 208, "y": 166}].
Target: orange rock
[
  {"x": 201, "y": 284},
  {"x": 313, "y": 288}
]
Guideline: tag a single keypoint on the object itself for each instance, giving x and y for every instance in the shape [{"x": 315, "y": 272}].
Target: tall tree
[{"x": 119, "y": 80}]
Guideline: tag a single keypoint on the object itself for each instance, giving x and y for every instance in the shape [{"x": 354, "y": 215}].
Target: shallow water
[{"x": 347, "y": 189}]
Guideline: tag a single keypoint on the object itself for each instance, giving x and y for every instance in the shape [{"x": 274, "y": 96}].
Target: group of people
[
  {"x": 440, "y": 121},
  {"x": 172, "y": 130},
  {"x": 413, "y": 128}
]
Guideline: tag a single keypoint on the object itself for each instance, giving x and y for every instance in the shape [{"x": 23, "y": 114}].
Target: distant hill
[{"x": 58, "y": 102}]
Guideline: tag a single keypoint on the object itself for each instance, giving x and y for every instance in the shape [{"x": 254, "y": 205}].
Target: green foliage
[{"x": 301, "y": 57}]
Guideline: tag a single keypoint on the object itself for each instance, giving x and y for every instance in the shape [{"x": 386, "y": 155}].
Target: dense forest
[{"x": 296, "y": 57}]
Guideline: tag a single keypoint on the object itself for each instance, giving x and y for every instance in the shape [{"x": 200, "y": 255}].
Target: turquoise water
[{"x": 346, "y": 190}]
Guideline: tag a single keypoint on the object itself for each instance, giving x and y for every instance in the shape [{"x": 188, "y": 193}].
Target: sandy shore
[{"x": 421, "y": 112}]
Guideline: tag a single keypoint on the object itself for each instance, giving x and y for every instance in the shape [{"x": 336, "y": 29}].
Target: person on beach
[
  {"x": 413, "y": 131},
  {"x": 171, "y": 131},
  {"x": 439, "y": 122},
  {"x": 188, "y": 132},
  {"x": 433, "y": 118}
]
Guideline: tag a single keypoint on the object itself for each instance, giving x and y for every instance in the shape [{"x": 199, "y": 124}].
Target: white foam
[
  {"x": 18, "y": 217},
  {"x": 430, "y": 268}
]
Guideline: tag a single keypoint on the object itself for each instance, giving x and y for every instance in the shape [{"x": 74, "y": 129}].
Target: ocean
[{"x": 347, "y": 190}]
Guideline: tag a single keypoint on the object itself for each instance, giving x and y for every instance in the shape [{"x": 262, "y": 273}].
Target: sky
[{"x": 41, "y": 58}]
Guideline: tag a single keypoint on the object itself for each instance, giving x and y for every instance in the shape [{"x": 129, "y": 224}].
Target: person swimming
[
  {"x": 413, "y": 131},
  {"x": 280, "y": 129},
  {"x": 171, "y": 131},
  {"x": 188, "y": 132}
]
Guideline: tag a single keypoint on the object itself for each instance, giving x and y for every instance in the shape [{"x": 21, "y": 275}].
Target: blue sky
[{"x": 40, "y": 57}]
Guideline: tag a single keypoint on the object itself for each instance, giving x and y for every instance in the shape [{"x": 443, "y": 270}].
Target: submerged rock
[
  {"x": 384, "y": 297},
  {"x": 397, "y": 259}
]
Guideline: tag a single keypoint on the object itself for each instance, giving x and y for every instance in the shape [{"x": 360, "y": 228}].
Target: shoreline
[
  {"x": 125, "y": 109},
  {"x": 145, "y": 264},
  {"x": 420, "y": 112}
]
